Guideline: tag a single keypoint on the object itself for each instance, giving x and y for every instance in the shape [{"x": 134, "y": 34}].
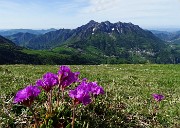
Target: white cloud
[
  {"x": 73, "y": 13},
  {"x": 142, "y": 12},
  {"x": 100, "y": 5}
]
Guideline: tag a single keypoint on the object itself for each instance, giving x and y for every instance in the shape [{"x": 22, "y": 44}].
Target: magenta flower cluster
[
  {"x": 62, "y": 79},
  {"x": 48, "y": 81},
  {"x": 66, "y": 77},
  {"x": 83, "y": 92},
  {"x": 27, "y": 95}
]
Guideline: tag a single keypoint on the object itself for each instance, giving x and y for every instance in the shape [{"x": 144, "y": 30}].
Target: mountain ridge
[
  {"x": 55, "y": 38},
  {"x": 21, "y": 39},
  {"x": 170, "y": 37},
  {"x": 9, "y": 32},
  {"x": 104, "y": 42}
]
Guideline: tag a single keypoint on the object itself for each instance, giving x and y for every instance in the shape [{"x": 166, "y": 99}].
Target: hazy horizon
[
  {"x": 168, "y": 29},
  {"x": 44, "y": 14}
]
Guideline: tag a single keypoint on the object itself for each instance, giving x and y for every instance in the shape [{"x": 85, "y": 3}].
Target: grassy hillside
[
  {"x": 126, "y": 103},
  {"x": 12, "y": 54},
  {"x": 100, "y": 43}
]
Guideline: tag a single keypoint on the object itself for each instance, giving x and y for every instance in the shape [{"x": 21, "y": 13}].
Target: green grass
[{"x": 126, "y": 103}]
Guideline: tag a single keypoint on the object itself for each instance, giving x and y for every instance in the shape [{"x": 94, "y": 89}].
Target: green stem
[
  {"x": 50, "y": 101},
  {"x": 36, "y": 121},
  {"x": 155, "y": 109},
  {"x": 58, "y": 95},
  {"x": 73, "y": 114},
  {"x": 59, "y": 85},
  {"x": 62, "y": 89}
]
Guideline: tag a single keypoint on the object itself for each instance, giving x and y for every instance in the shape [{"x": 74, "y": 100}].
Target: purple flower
[
  {"x": 80, "y": 96},
  {"x": 82, "y": 92},
  {"x": 48, "y": 81},
  {"x": 66, "y": 77},
  {"x": 95, "y": 88},
  {"x": 84, "y": 85},
  {"x": 158, "y": 97},
  {"x": 27, "y": 95},
  {"x": 92, "y": 87}
]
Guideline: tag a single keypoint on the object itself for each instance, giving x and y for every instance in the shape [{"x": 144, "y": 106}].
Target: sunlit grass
[{"x": 127, "y": 102}]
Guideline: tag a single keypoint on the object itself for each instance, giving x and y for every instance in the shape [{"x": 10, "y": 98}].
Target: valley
[{"x": 95, "y": 43}]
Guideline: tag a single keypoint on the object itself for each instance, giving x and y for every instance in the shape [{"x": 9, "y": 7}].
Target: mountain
[
  {"x": 21, "y": 39},
  {"x": 176, "y": 38},
  {"x": 50, "y": 39},
  {"x": 15, "y": 31},
  {"x": 12, "y": 54},
  {"x": 117, "y": 43},
  {"x": 97, "y": 43},
  {"x": 171, "y": 37},
  {"x": 119, "y": 31}
]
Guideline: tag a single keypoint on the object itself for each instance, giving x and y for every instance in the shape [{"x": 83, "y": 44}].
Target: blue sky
[{"x": 43, "y": 14}]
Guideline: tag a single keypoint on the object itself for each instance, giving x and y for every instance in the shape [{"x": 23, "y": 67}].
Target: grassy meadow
[{"x": 127, "y": 101}]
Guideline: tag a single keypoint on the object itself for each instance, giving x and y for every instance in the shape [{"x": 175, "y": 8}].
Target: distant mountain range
[
  {"x": 117, "y": 31},
  {"x": 96, "y": 43},
  {"x": 21, "y": 39},
  {"x": 15, "y": 31},
  {"x": 171, "y": 37}
]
